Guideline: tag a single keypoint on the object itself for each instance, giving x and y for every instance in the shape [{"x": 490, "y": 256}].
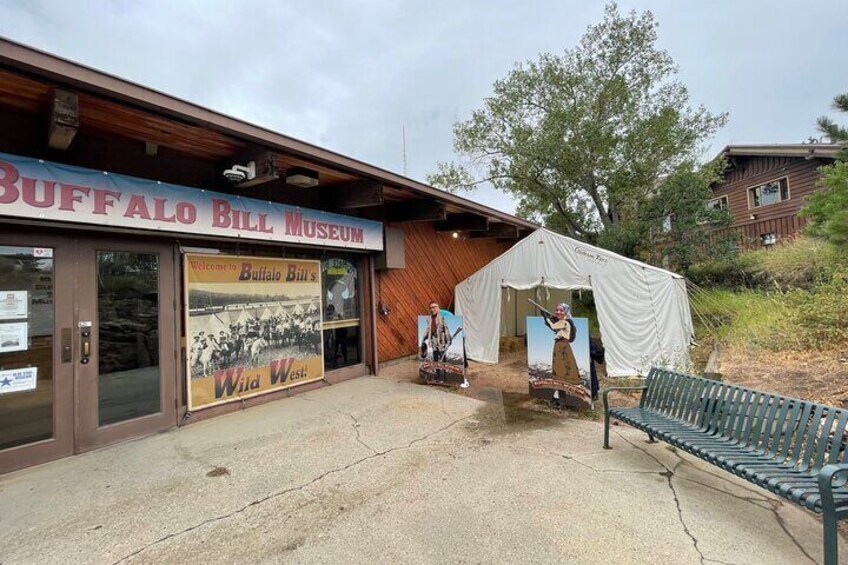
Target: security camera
[{"x": 240, "y": 173}]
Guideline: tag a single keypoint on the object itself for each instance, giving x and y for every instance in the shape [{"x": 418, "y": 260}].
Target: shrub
[
  {"x": 820, "y": 318},
  {"x": 731, "y": 273},
  {"x": 802, "y": 262}
]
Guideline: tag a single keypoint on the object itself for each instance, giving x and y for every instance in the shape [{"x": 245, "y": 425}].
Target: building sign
[
  {"x": 32, "y": 188},
  {"x": 254, "y": 326}
]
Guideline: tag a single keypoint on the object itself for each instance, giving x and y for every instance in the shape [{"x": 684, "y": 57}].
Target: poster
[
  {"x": 13, "y": 304},
  {"x": 567, "y": 388},
  {"x": 441, "y": 355},
  {"x": 18, "y": 380},
  {"x": 254, "y": 326},
  {"x": 13, "y": 337}
]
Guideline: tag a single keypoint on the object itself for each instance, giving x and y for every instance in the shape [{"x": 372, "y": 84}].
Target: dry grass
[{"x": 811, "y": 375}]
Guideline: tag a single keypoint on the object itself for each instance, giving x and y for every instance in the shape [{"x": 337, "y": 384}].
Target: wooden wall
[
  {"x": 435, "y": 263},
  {"x": 780, "y": 218}
]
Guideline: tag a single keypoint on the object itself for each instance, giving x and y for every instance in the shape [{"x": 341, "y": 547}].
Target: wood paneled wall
[
  {"x": 780, "y": 218},
  {"x": 435, "y": 263}
]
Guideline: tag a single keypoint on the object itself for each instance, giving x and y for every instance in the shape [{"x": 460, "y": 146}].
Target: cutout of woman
[{"x": 563, "y": 363}]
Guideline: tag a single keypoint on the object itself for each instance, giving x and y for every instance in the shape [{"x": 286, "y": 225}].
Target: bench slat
[{"x": 785, "y": 445}]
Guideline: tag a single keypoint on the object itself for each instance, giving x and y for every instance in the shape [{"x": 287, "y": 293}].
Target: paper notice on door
[
  {"x": 13, "y": 304},
  {"x": 18, "y": 380},
  {"x": 13, "y": 337}
]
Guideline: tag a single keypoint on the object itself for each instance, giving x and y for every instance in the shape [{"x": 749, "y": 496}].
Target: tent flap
[{"x": 643, "y": 311}]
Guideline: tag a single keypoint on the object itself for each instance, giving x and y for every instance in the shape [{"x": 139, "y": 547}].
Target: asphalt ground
[{"x": 377, "y": 471}]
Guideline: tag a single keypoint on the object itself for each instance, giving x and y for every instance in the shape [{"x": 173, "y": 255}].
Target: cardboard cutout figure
[
  {"x": 558, "y": 361},
  {"x": 441, "y": 352}
]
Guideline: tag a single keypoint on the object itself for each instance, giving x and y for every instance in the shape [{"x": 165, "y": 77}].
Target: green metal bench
[{"x": 794, "y": 448}]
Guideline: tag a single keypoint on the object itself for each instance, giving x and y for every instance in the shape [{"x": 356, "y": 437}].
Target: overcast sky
[{"x": 350, "y": 75}]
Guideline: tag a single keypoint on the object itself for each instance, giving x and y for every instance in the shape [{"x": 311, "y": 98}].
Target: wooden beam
[
  {"x": 357, "y": 194},
  {"x": 463, "y": 222},
  {"x": 498, "y": 231},
  {"x": 414, "y": 211},
  {"x": 64, "y": 119}
]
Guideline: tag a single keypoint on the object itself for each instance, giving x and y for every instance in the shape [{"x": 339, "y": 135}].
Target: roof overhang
[
  {"x": 86, "y": 79},
  {"x": 800, "y": 150}
]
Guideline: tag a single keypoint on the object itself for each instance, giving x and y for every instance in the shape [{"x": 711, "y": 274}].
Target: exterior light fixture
[
  {"x": 753, "y": 216},
  {"x": 455, "y": 235},
  {"x": 304, "y": 178}
]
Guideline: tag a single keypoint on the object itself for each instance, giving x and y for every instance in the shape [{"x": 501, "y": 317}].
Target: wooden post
[
  {"x": 64, "y": 119},
  {"x": 713, "y": 368}
]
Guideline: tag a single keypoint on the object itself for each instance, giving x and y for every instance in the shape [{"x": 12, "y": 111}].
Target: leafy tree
[
  {"x": 827, "y": 207},
  {"x": 677, "y": 228},
  {"x": 582, "y": 139}
]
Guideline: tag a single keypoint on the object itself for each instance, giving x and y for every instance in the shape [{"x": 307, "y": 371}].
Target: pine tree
[
  {"x": 827, "y": 207},
  {"x": 833, "y": 131}
]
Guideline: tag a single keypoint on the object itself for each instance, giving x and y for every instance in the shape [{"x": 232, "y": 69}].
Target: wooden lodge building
[
  {"x": 764, "y": 188},
  {"x": 106, "y": 187}
]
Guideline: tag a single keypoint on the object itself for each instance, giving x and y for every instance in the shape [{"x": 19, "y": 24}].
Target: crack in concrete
[
  {"x": 283, "y": 492},
  {"x": 776, "y": 505},
  {"x": 592, "y": 467},
  {"x": 350, "y": 415},
  {"x": 668, "y": 474},
  {"x": 356, "y": 429},
  {"x": 772, "y": 505},
  {"x": 442, "y": 406}
]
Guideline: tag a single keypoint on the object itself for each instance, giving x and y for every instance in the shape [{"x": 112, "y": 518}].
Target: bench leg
[
  {"x": 831, "y": 539},
  {"x": 651, "y": 439}
]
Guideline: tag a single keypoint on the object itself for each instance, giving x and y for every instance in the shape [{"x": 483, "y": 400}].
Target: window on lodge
[
  {"x": 769, "y": 193},
  {"x": 340, "y": 317},
  {"x": 719, "y": 203}
]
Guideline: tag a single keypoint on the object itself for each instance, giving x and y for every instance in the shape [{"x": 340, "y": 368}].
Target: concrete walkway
[{"x": 375, "y": 471}]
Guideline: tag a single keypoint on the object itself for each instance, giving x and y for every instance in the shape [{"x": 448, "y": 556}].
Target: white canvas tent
[
  {"x": 643, "y": 311},
  {"x": 243, "y": 317},
  {"x": 214, "y": 325}
]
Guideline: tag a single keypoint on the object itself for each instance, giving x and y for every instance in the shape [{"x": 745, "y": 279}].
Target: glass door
[
  {"x": 36, "y": 346},
  {"x": 127, "y": 347}
]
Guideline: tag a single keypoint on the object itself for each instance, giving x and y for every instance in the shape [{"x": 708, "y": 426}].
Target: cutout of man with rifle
[{"x": 439, "y": 338}]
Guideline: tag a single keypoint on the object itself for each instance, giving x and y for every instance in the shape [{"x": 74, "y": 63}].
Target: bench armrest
[
  {"x": 607, "y": 411},
  {"x": 609, "y": 390},
  {"x": 831, "y": 477}
]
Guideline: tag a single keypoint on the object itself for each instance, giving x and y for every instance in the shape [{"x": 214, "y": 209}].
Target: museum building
[{"x": 162, "y": 263}]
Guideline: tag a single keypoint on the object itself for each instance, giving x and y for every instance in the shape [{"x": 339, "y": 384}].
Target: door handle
[{"x": 85, "y": 344}]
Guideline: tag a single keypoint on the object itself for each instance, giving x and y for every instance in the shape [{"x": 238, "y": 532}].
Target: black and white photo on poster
[{"x": 252, "y": 333}]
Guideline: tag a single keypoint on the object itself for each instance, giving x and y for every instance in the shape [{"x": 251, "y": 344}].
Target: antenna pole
[{"x": 403, "y": 136}]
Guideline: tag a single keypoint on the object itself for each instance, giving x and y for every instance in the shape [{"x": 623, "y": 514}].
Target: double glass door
[{"x": 87, "y": 344}]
